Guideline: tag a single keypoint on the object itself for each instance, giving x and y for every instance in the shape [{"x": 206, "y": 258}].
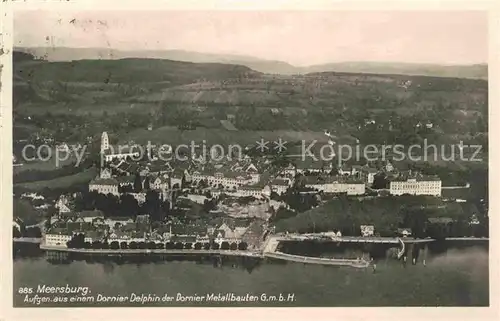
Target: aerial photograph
[{"x": 250, "y": 158}]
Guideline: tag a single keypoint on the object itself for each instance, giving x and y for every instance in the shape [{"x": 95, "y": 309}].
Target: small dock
[
  {"x": 32, "y": 240},
  {"x": 358, "y": 263},
  {"x": 270, "y": 251}
]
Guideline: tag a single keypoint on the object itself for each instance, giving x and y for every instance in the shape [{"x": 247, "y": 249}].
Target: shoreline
[{"x": 151, "y": 251}]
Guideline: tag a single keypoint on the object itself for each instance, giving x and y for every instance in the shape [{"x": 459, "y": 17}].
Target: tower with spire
[{"x": 104, "y": 142}]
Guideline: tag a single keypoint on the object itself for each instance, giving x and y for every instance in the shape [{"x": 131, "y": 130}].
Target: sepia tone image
[{"x": 250, "y": 158}]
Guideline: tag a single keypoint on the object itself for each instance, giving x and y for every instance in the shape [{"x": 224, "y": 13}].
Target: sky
[{"x": 297, "y": 37}]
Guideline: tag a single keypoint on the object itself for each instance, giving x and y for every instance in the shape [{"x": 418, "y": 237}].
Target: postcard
[{"x": 208, "y": 158}]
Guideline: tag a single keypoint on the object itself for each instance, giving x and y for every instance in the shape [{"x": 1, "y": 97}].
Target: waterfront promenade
[
  {"x": 352, "y": 239},
  {"x": 118, "y": 252},
  {"x": 269, "y": 249}
]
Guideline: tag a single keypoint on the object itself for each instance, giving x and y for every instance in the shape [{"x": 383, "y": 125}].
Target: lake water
[{"x": 455, "y": 277}]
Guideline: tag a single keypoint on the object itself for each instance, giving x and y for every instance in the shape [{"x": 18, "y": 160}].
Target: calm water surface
[{"x": 456, "y": 277}]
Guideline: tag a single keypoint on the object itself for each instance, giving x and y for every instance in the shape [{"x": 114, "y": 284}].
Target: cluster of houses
[
  {"x": 97, "y": 228},
  {"x": 244, "y": 178}
]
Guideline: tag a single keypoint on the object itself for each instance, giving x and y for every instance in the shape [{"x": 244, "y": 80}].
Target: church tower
[{"x": 104, "y": 142}]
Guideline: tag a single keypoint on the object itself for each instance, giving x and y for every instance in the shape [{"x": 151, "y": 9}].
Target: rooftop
[
  {"x": 418, "y": 178},
  {"x": 313, "y": 180},
  {"x": 279, "y": 182},
  {"x": 103, "y": 181},
  {"x": 94, "y": 213}
]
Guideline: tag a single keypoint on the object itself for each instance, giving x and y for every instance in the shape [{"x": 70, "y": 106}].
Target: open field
[
  {"x": 110, "y": 82},
  {"x": 61, "y": 182},
  {"x": 174, "y": 136},
  {"x": 48, "y": 165},
  {"x": 170, "y": 94}
]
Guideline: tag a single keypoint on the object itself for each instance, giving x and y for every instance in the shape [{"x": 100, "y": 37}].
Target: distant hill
[
  {"x": 479, "y": 71},
  {"x": 265, "y": 66},
  {"x": 41, "y": 80},
  {"x": 130, "y": 70}
]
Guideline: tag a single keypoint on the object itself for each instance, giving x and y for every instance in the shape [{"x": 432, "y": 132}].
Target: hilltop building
[
  {"x": 116, "y": 152},
  {"x": 335, "y": 184},
  {"x": 416, "y": 185}
]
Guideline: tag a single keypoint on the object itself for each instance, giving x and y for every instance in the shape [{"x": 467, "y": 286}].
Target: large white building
[
  {"x": 227, "y": 179},
  {"x": 280, "y": 185},
  {"x": 57, "y": 237},
  {"x": 104, "y": 186},
  {"x": 420, "y": 185},
  {"x": 335, "y": 184}
]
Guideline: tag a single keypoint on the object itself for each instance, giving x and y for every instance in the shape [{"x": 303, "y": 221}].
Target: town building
[
  {"x": 139, "y": 197},
  {"x": 63, "y": 204},
  {"x": 404, "y": 232},
  {"x": 249, "y": 190},
  {"x": 114, "y": 222},
  {"x": 105, "y": 173},
  {"x": 223, "y": 177},
  {"x": 176, "y": 179},
  {"x": 280, "y": 186},
  {"x": 367, "y": 230},
  {"x": 418, "y": 185},
  {"x": 104, "y": 186},
  {"x": 90, "y": 216},
  {"x": 227, "y": 233},
  {"x": 120, "y": 152},
  {"x": 335, "y": 184},
  {"x": 161, "y": 182},
  {"x": 57, "y": 237},
  {"x": 368, "y": 174}
]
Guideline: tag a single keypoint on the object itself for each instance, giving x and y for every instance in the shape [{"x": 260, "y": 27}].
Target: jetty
[
  {"x": 270, "y": 251},
  {"x": 33, "y": 240},
  {"x": 358, "y": 263}
]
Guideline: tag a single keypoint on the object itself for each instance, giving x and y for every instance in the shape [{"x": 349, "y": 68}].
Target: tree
[
  {"x": 129, "y": 207},
  {"x": 137, "y": 183},
  {"x": 208, "y": 205},
  {"x": 147, "y": 183},
  {"x": 77, "y": 241},
  {"x": 224, "y": 245},
  {"x": 15, "y": 232},
  {"x": 33, "y": 232},
  {"x": 380, "y": 181},
  {"x": 153, "y": 206}
]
